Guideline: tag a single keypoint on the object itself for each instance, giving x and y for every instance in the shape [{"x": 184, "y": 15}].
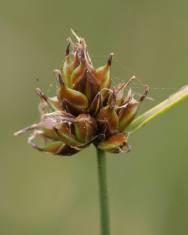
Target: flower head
[{"x": 86, "y": 108}]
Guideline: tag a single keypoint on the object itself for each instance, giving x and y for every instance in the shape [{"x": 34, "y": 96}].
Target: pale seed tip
[
  {"x": 75, "y": 35},
  {"x": 109, "y": 62},
  {"x": 68, "y": 49}
]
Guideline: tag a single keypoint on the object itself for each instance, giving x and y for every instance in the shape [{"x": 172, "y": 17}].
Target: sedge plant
[{"x": 87, "y": 109}]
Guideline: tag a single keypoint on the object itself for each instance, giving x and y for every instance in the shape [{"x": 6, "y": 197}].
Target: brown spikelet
[{"x": 86, "y": 108}]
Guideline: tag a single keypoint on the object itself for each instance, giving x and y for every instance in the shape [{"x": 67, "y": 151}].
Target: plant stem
[{"x": 103, "y": 193}]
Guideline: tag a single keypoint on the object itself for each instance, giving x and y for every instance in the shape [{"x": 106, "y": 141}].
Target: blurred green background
[{"x": 43, "y": 194}]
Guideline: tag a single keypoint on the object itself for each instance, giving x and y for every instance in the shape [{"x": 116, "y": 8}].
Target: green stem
[{"x": 103, "y": 193}]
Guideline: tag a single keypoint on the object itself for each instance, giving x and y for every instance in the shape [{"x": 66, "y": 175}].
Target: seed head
[{"x": 86, "y": 108}]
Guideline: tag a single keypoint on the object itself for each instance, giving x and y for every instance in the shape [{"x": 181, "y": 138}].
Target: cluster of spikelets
[{"x": 86, "y": 108}]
